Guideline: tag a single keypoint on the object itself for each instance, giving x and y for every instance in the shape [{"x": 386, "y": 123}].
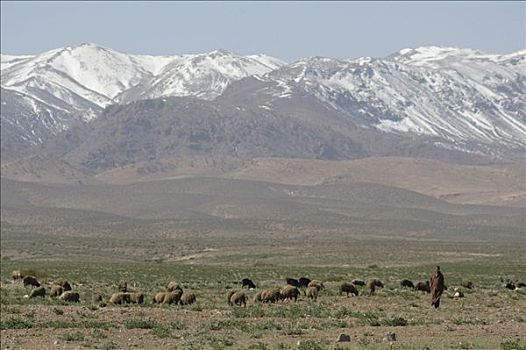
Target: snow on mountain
[
  {"x": 82, "y": 80},
  {"x": 455, "y": 94},
  {"x": 205, "y": 75}
]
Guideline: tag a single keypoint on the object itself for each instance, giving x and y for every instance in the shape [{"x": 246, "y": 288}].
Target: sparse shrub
[
  {"x": 58, "y": 311},
  {"x": 75, "y": 336},
  {"x": 309, "y": 345},
  {"x": 142, "y": 324},
  {"x": 513, "y": 345}
]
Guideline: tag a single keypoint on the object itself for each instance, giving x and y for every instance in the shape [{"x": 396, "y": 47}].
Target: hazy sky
[{"x": 288, "y": 30}]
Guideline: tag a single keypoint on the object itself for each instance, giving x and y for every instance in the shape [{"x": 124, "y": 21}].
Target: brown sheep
[
  {"x": 172, "y": 286},
  {"x": 312, "y": 293},
  {"x": 30, "y": 281},
  {"x": 271, "y": 295},
  {"x": 289, "y": 292},
  {"x": 70, "y": 296},
  {"x": 173, "y": 297},
  {"x": 187, "y": 299},
  {"x": 38, "y": 292},
  {"x": 120, "y": 298},
  {"x": 17, "y": 275},
  {"x": 238, "y": 298},
  {"x": 258, "y": 298},
  {"x": 123, "y": 287},
  {"x": 348, "y": 288},
  {"x": 96, "y": 298},
  {"x": 229, "y": 295},
  {"x": 358, "y": 282},
  {"x": 56, "y": 291},
  {"x": 136, "y": 298},
  {"x": 423, "y": 287},
  {"x": 372, "y": 284},
  {"x": 316, "y": 284}
]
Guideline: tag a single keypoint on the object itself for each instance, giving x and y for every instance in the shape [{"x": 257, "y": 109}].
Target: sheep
[
  {"x": 289, "y": 292},
  {"x": 17, "y": 275},
  {"x": 316, "y": 284},
  {"x": 123, "y": 287},
  {"x": 293, "y": 282},
  {"x": 187, "y": 299},
  {"x": 30, "y": 281},
  {"x": 70, "y": 296},
  {"x": 120, "y": 298},
  {"x": 136, "y": 298},
  {"x": 238, "y": 298},
  {"x": 173, "y": 297},
  {"x": 372, "y": 284},
  {"x": 56, "y": 291},
  {"x": 358, "y": 282},
  {"x": 312, "y": 293},
  {"x": 423, "y": 287},
  {"x": 467, "y": 284},
  {"x": 304, "y": 282},
  {"x": 258, "y": 298},
  {"x": 64, "y": 284},
  {"x": 172, "y": 286},
  {"x": 407, "y": 283},
  {"x": 510, "y": 285},
  {"x": 38, "y": 292},
  {"x": 96, "y": 298},
  {"x": 521, "y": 285},
  {"x": 348, "y": 288},
  {"x": 248, "y": 283},
  {"x": 271, "y": 295}
]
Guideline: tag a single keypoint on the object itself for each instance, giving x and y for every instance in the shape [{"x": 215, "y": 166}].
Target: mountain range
[{"x": 97, "y": 109}]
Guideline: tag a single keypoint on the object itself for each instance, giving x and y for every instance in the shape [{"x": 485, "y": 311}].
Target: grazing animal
[
  {"x": 17, "y": 275},
  {"x": 407, "y": 283},
  {"x": 467, "y": 284},
  {"x": 423, "y": 287},
  {"x": 437, "y": 287},
  {"x": 521, "y": 285},
  {"x": 69, "y": 296},
  {"x": 372, "y": 284},
  {"x": 271, "y": 295},
  {"x": 30, "y": 281},
  {"x": 120, "y": 298},
  {"x": 358, "y": 282},
  {"x": 312, "y": 293},
  {"x": 289, "y": 292},
  {"x": 348, "y": 288},
  {"x": 510, "y": 285},
  {"x": 187, "y": 299},
  {"x": 56, "y": 291},
  {"x": 317, "y": 284},
  {"x": 248, "y": 283},
  {"x": 258, "y": 298},
  {"x": 123, "y": 287},
  {"x": 136, "y": 298},
  {"x": 238, "y": 298},
  {"x": 64, "y": 284},
  {"x": 173, "y": 297},
  {"x": 38, "y": 292},
  {"x": 304, "y": 282},
  {"x": 293, "y": 282},
  {"x": 172, "y": 286},
  {"x": 96, "y": 298}
]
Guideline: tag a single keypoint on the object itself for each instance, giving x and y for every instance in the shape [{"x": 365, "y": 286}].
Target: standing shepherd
[{"x": 437, "y": 287}]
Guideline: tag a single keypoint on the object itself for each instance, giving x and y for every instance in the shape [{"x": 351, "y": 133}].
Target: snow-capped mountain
[
  {"x": 82, "y": 80},
  {"x": 458, "y": 95},
  {"x": 462, "y": 99}
]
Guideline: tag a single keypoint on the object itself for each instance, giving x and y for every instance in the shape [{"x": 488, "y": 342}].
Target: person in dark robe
[{"x": 437, "y": 287}]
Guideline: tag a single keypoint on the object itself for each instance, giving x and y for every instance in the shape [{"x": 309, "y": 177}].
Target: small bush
[{"x": 142, "y": 324}]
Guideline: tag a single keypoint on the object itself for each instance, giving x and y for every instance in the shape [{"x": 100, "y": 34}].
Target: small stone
[
  {"x": 390, "y": 336},
  {"x": 343, "y": 338}
]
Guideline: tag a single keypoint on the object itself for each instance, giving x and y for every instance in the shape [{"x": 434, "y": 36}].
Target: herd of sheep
[{"x": 174, "y": 294}]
